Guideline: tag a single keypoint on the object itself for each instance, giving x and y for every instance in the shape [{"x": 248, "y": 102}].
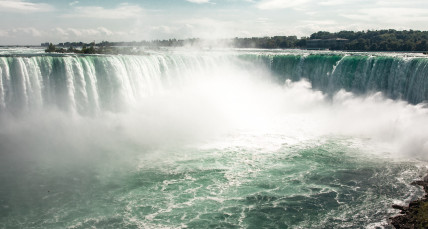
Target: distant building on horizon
[{"x": 334, "y": 43}]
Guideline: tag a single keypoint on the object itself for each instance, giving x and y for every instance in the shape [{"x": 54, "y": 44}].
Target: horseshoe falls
[{"x": 210, "y": 139}]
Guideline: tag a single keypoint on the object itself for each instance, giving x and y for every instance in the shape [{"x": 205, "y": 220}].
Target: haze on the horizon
[{"x": 30, "y": 22}]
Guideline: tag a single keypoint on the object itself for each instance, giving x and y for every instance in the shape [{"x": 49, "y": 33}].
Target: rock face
[{"x": 416, "y": 214}]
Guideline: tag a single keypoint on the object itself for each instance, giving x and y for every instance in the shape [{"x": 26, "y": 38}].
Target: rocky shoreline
[{"x": 416, "y": 214}]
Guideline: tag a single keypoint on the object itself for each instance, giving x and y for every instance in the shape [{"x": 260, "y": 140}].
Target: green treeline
[
  {"x": 106, "y": 47},
  {"x": 93, "y": 48},
  {"x": 270, "y": 42},
  {"x": 86, "y": 49},
  {"x": 380, "y": 40},
  {"x": 376, "y": 40}
]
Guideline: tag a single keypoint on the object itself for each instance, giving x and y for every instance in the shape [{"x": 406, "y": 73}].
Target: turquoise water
[
  {"x": 322, "y": 184},
  {"x": 203, "y": 140}
]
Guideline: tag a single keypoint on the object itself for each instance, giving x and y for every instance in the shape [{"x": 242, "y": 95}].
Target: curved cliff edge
[{"x": 416, "y": 214}]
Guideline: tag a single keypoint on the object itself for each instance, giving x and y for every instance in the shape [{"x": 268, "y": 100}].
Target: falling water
[{"x": 197, "y": 139}]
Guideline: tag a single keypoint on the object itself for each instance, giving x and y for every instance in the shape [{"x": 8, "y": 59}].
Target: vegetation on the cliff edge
[
  {"x": 416, "y": 214},
  {"x": 93, "y": 48},
  {"x": 380, "y": 40},
  {"x": 377, "y": 40},
  {"x": 423, "y": 214}
]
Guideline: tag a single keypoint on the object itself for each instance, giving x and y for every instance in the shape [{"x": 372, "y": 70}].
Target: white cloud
[
  {"x": 60, "y": 31},
  {"x": 31, "y": 31},
  {"x": 308, "y": 27},
  {"x": 384, "y": 15},
  {"x": 199, "y": 1},
  {"x": 73, "y": 33},
  {"x": 3, "y": 33},
  {"x": 163, "y": 29},
  {"x": 123, "y": 11},
  {"x": 21, "y": 32},
  {"x": 280, "y": 4},
  {"x": 246, "y": 18},
  {"x": 105, "y": 31},
  {"x": 73, "y": 3},
  {"x": 400, "y": 3},
  {"x": 332, "y": 2},
  {"x": 19, "y": 6},
  {"x": 262, "y": 20},
  {"x": 205, "y": 27},
  {"x": 320, "y": 22}
]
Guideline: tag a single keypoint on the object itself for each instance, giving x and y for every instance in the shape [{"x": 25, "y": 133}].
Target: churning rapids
[{"x": 210, "y": 139}]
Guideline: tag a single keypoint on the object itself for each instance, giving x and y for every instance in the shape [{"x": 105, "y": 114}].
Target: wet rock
[
  {"x": 399, "y": 207},
  {"x": 416, "y": 214}
]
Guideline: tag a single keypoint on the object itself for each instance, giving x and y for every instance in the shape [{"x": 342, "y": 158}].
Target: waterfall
[
  {"x": 88, "y": 84},
  {"x": 194, "y": 139},
  {"x": 397, "y": 77}
]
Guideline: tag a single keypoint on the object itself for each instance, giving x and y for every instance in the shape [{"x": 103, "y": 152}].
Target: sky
[{"x": 31, "y": 22}]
